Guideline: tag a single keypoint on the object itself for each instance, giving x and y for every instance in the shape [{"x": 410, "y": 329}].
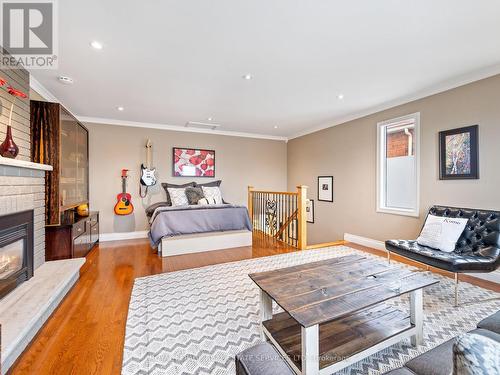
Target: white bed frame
[{"x": 199, "y": 242}]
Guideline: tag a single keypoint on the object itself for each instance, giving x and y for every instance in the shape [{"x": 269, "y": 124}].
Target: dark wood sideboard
[
  {"x": 59, "y": 139},
  {"x": 73, "y": 238}
]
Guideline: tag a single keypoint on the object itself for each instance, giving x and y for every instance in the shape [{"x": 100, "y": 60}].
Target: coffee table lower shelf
[{"x": 344, "y": 341}]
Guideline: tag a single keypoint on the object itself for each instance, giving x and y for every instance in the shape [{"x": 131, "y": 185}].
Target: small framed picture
[
  {"x": 310, "y": 211},
  {"x": 458, "y": 153},
  {"x": 325, "y": 188}
]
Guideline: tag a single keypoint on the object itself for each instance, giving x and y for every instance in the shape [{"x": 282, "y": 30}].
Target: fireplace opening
[{"x": 16, "y": 250}]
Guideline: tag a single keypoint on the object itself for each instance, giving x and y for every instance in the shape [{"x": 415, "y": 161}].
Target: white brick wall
[
  {"x": 24, "y": 189},
  {"x": 20, "y": 188},
  {"x": 19, "y": 79}
]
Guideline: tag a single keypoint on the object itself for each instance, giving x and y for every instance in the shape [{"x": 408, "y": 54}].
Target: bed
[{"x": 195, "y": 228}]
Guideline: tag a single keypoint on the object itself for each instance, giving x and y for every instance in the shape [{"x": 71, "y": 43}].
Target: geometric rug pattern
[{"x": 195, "y": 321}]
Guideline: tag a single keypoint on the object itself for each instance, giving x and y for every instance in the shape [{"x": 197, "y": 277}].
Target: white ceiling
[{"x": 168, "y": 62}]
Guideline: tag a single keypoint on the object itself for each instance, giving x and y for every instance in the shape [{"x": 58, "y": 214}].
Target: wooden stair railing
[
  {"x": 280, "y": 215},
  {"x": 286, "y": 224}
]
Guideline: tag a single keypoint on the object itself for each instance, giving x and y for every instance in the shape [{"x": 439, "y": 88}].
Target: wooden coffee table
[{"x": 335, "y": 313}]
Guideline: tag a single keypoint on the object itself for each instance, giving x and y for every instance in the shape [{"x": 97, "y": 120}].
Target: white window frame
[{"x": 382, "y": 170}]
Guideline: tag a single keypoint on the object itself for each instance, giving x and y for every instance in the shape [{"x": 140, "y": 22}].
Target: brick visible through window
[{"x": 397, "y": 143}]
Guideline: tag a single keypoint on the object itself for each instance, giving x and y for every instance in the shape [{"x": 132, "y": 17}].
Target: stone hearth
[{"x": 24, "y": 310}]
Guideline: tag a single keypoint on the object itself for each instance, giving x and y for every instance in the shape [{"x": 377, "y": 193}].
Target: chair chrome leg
[
  {"x": 456, "y": 289},
  {"x": 389, "y": 256}
]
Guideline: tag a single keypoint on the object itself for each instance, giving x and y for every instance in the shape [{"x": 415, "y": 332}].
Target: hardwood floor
[{"x": 85, "y": 334}]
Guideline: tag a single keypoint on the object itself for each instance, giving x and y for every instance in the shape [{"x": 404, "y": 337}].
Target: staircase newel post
[
  {"x": 302, "y": 216},
  {"x": 250, "y": 203}
]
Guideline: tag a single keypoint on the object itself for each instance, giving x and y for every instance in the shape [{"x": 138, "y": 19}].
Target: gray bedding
[{"x": 167, "y": 221}]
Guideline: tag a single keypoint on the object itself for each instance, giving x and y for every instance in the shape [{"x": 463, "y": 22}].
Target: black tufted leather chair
[{"x": 477, "y": 250}]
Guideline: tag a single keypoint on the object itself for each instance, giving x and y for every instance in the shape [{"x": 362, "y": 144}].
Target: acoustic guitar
[{"x": 124, "y": 205}]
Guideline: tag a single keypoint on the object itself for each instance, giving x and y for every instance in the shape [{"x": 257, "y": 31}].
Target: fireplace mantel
[
  {"x": 22, "y": 187},
  {"x": 24, "y": 164}
]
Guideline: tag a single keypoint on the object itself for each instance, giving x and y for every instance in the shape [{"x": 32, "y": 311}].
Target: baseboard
[
  {"x": 117, "y": 236},
  {"x": 325, "y": 244},
  {"x": 368, "y": 242}
]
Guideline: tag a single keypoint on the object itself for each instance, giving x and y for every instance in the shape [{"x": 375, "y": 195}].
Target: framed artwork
[
  {"x": 310, "y": 211},
  {"x": 458, "y": 153},
  {"x": 192, "y": 162},
  {"x": 325, "y": 188}
]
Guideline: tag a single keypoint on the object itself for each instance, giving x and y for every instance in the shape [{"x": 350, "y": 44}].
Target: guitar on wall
[
  {"x": 124, "y": 205},
  {"x": 148, "y": 173}
]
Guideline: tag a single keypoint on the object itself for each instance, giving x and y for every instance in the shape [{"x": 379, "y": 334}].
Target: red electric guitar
[{"x": 124, "y": 205}]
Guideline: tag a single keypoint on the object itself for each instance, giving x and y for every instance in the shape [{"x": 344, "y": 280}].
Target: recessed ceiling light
[
  {"x": 66, "y": 80},
  {"x": 120, "y": 108},
  {"x": 95, "y": 44},
  {"x": 276, "y": 126},
  {"x": 340, "y": 96},
  {"x": 210, "y": 119},
  {"x": 247, "y": 77}
]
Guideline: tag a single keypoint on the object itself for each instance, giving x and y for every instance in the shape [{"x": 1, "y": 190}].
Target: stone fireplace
[
  {"x": 16, "y": 250},
  {"x": 30, "y": 288}
]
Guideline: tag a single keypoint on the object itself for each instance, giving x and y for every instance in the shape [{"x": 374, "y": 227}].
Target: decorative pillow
[
  {"x": 475, "y": 354},
  {"x": 206, "y": 201},
  {"x": 178, "y": 196},
  {"x": 442, "y": 232},
  {"x": 212, "y": 193},
  {"x": 167, "y": 185},
  {"x": 212, "y": 184},
  {"x": 194, "y": 194}
]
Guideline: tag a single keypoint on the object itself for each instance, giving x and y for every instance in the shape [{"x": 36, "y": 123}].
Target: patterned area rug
[{"x": 195, "y": 321}]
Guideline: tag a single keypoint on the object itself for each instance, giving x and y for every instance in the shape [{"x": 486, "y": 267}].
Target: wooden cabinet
[
  {"x": 60, "y": 140},
  {"x": 74, "y": 237}
]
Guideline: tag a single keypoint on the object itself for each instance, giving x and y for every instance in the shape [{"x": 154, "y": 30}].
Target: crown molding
[
  {"x": 42, "y": 90},
  {"x": 148, "y": 125},
  {"x": 46, "y": 93},
  {"x": 450, "y": 84}
]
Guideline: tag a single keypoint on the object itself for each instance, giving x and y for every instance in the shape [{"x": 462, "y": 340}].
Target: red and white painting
[{"x": 190, "y": 162}]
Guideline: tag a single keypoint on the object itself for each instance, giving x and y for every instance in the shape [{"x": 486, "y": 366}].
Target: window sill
[{"x": 401, "y": 212}]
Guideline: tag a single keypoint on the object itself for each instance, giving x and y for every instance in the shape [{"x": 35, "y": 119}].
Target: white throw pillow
[
  {"x": 442, "y": 232},
  {"x": 178, "y": 196},
  {"x": 206, "y": 201},
  {"x": 212, "y": 193}
]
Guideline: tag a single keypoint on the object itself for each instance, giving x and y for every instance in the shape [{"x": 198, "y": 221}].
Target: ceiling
[{"x": 168, "y": 62}]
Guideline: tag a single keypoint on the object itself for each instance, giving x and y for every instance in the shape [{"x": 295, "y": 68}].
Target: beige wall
[
  {"x": 239, "y": 162},
  {"x": 348, "y": 152}
]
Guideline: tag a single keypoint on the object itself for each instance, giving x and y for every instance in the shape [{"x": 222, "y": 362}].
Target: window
[{"x": 398, "y": 166}]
